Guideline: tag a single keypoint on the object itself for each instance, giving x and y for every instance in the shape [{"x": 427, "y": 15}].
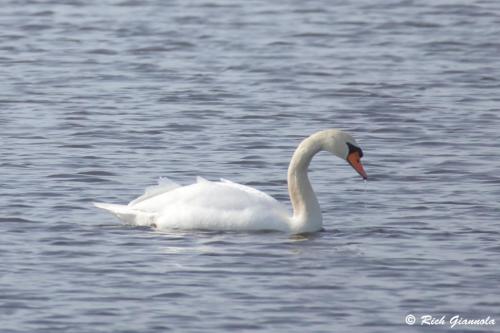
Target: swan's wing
[
  {"x": 164, "y": 185},
  {"x": 200, "y": 179},
  {"x": 250, "y": 190}
]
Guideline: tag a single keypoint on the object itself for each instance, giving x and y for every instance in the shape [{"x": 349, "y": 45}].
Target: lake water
[{"x": 100, "y": 98}]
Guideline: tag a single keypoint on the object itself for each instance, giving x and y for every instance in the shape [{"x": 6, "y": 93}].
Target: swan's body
[
  {"x": 226, "y": 205},
  {"x": 205, "y": 204}
]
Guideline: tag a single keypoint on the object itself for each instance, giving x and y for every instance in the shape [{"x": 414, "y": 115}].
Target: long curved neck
[{"x": 306, "y": 211}]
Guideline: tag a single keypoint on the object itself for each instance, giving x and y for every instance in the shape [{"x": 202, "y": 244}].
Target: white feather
[{"x": 164, "y": 185}]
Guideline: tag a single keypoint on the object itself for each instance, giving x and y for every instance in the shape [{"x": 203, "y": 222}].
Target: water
[{"x": 100, "y": 98}]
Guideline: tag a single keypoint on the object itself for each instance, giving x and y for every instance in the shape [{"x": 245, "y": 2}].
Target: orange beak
[{"x": 355, "y": 161}]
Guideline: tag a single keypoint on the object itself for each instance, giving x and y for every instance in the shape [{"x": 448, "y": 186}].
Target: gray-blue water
[{"x": 100, "y": 98}]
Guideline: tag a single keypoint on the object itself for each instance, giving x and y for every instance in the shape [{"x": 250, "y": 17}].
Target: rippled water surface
[{"x": 100, "y": 98}]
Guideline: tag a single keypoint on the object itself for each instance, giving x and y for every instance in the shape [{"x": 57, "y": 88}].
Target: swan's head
[{"x": 343, "y": 145}]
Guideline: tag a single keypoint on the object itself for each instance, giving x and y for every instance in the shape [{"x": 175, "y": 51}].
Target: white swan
[{"x": 226, "y": 205}]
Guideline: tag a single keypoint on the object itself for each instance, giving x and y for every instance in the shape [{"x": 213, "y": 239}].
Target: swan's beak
[{"x": 355, "y": 161}]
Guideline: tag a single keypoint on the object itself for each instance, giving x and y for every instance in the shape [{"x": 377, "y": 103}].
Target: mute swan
[{"x": 225, "y": 205}]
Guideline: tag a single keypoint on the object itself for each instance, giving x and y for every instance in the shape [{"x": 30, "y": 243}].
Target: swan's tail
[{"x": 128, "y": 215}]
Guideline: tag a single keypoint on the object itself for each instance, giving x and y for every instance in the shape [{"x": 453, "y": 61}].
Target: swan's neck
[{"x": 306, "y": 211}]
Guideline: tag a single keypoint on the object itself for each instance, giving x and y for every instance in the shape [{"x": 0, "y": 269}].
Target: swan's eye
[{"x": 354, "y": 149}]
